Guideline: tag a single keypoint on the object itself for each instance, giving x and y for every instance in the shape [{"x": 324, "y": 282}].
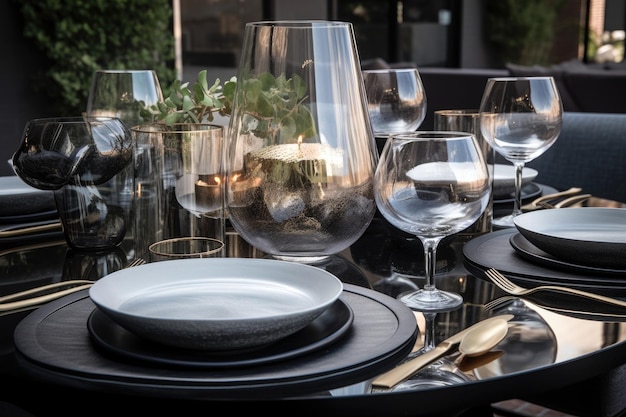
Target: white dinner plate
[
  {"x": 504, "y": 178},
  {"x": 593, "y": 236},
  {"x": 217, "y": 303},
  {"x": 19, "y": 198}
]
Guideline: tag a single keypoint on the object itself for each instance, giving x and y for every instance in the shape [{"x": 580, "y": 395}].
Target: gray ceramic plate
[
  {"x": 217, "y": 303},
  {"x": 592, "y": 236}
]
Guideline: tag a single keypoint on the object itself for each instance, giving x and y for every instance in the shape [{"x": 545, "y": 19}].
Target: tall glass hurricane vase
[
  {"x": 301, "y": 153},
  {"x": 521, "y": 118}
]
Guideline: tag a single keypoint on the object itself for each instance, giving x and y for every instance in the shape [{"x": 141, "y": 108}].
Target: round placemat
[{"x": 53, "y": 344}]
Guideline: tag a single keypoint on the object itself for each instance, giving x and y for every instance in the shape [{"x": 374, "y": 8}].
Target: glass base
[
  {"x": 431, "y": 300},
  {"x": 437, "y": 374},
  {"x": 312, "y": 260},
  {"x": 503, "y": 222}
]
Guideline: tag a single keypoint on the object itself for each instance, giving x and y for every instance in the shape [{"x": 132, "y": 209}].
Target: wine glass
[
  {"x": 521, "y": 118},
  {"x": 123, "y": 94},
  {"x": 396, "y": 101},
  {"x": 432, "y": 185}
]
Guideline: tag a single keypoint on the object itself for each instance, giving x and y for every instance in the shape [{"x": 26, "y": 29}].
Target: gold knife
[{"x": 408, "y": 368}]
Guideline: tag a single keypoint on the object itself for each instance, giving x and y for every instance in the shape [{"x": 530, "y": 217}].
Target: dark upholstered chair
[{"x": 590, "y": 153}]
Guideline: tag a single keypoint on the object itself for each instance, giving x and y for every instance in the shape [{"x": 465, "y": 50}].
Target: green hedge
[{"x": 78, "y": 37}]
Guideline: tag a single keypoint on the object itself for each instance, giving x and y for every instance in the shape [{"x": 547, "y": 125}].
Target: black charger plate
[
  {"x": 493, "y": 250},
  {"x": 53, "y": 345}
]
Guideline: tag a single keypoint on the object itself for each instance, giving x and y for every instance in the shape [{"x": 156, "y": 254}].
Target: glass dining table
[{"x": 553, "y": 343}]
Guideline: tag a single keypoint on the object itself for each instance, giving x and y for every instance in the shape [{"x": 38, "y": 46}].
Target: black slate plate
[
  {"x": 53, "y": 344},
  {"x": 493, "y": 250},
  {"x": 324, "y": 330},
  {"x": 529, "y": 251}
]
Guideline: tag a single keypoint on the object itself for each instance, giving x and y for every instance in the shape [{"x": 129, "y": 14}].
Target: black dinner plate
[
  {"x": 529, "y": 251},
  {"x": 493, "y": 250},
  {"x": 324, "y": 330}
]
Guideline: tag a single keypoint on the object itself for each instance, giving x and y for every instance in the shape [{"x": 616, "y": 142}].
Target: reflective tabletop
[{"x": 552, "y": 342}]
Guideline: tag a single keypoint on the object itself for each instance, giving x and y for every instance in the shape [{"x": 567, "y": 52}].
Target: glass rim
[
  {"x": 176, "y": 127},
  {"x": 384, "y": 70},
  {"x": 299, "y": 24},
  {"x": 430, "y": 134},
  {"x": 526, "y": 78},
  {"x": 74, "y": 119},
  {"x": 153, "y": 248}
]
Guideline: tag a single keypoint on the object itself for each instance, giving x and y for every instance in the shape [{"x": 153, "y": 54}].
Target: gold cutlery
[
  {"x": 19, "y": 230},
  {"x": 490, "y": 326},
  {"x": 570, "y": 201},
  {"x": 508, "y": 286},
  {"x": 21, "y": 303},
  {"x": 539, "y": 203}
]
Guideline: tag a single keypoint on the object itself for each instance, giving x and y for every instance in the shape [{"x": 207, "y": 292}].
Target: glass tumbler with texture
[
  {"x": 468, "y": 120},
  {"x": 301, "y": 155},
  {"x": 432, "y": 185},
  {"x": 181, "y": 182}
]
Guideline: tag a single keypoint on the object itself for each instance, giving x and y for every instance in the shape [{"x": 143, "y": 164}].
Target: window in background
[
  {"x": 423, "y": 32},
  {"x": 212, "y": 34}
]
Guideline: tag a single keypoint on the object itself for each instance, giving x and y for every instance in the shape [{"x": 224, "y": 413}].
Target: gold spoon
[
  {"x": 476, "y": 340},
  {"x": 483, "y": 338}
]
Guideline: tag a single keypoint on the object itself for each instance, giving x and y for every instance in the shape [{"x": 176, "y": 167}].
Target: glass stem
[
  {"x": 429, "y": 331},
  {"x": 430, "y": 262},
  {"x": 517, "y": 204}
]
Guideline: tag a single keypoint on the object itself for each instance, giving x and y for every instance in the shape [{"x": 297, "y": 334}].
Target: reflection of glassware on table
[
  {"x": 440, "y": 373},
  {"x": 122, "y": 94},
  {"x": 87, "y": 162},
  {"x": 433, "y": 185},
  {"x": 521, "y": 118},
  {"x": 530, "y": 342},
  {"x": 396, "y": 99},
  {"x": 301, "y": 153}
]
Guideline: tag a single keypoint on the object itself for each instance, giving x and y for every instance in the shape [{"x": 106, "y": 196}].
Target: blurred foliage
[
  {"x": 78, "y": 37},
  {"x": 523, "y": 31}
]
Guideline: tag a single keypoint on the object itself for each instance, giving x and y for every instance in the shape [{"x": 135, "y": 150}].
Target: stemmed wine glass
[
  {"x": 123, "y": 94},
  {"x": 432, "y": 185},
  {"x": 396, "y": 101},
  {"x": 521, "y": 118}
]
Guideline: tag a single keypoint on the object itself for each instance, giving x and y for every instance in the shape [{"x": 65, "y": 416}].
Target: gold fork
[
  {"x": 539, "y": 203},
  {"x": 77, "y": 285},
  {"x": 508, "y": 286}
]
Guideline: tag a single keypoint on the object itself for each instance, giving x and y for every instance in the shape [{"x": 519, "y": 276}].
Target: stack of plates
[
  {"x": 23, "y": 207},
  {"x": 226, "y": 327},
  {"x": 585, "y": 238},
  {"x": 579, "y": 247},
  {"x": 235, "y": 305}
]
